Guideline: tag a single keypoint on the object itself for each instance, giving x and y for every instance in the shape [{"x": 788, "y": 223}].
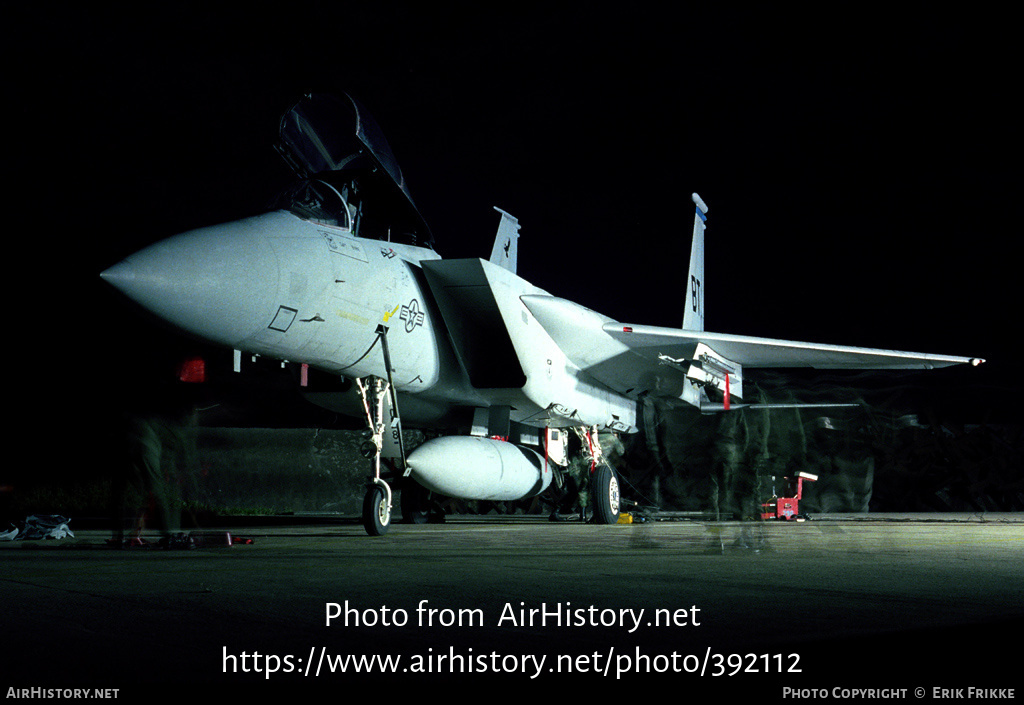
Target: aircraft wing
[
  {"x": 650, "y": 342},
  {"x": 715, "y": 361},
  {"x": 677, "y": 363}
]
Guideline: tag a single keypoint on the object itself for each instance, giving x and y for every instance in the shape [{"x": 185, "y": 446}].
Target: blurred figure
[
  {"x": 743, "y": 458},
  {"x": 158, "y": 451}
]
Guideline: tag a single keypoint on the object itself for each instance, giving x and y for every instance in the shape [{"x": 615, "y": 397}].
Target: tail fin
[
  {"x": 693, "y": 316},
  {"x": 506, "y": 248}
]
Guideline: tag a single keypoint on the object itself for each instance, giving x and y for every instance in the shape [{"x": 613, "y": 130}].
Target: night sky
[{"x": 861, "y": 168}]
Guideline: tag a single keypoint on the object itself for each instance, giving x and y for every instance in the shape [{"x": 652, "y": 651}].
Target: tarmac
[{"x": 929, "y": 601}]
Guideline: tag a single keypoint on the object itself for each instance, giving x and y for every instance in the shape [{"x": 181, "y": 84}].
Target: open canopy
[{"x": 332, "y": 137}]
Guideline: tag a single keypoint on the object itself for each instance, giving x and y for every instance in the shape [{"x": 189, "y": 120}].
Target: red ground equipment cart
[{"x": 787, "y": 508}]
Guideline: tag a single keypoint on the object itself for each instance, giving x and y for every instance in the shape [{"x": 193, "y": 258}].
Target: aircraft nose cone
[{"x": 214, "y": 282}]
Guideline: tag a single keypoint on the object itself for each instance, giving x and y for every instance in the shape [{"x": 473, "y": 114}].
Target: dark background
[{"x": 860, "y": 166}]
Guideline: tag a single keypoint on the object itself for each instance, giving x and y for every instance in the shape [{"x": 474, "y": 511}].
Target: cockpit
[
  {"x": 319, "y": 202},
  {"x": 349, "y": 177}
]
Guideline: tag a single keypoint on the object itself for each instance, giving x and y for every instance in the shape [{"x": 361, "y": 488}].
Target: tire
[
  {"x": 605, "y": 494},
  {"x": 376, "y": 512}
]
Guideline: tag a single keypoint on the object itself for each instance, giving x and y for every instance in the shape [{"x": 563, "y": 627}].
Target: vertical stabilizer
[
  {"x": 693, "y": 315},
  {"x": 506, "y": 248}
]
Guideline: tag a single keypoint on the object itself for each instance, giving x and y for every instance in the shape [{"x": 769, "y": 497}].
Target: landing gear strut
[
  {"x": 377, "y": 501},
  {"x": 604, "y": 482},
  {"x": 377, "y": 393}
]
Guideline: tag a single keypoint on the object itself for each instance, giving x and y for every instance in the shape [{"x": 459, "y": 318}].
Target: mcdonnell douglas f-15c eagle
[{"x": 343, "y": 278}]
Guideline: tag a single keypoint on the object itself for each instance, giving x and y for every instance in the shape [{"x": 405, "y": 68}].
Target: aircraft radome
[{"x": 343, "y": 278}]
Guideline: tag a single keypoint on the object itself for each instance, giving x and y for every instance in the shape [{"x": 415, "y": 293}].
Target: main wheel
[
  {"x": 376, "y": 511},
  {"x": 604, "y": 490}
]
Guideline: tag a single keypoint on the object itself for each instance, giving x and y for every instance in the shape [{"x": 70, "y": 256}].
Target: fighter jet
[{"x": 343, "y": 278}]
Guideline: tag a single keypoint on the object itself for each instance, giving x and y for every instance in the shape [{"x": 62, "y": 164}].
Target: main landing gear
[
  {"x": 604, "y": 482},
  {"x": 605, "y": 492}
]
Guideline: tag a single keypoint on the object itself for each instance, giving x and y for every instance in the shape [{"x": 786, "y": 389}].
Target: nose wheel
[
  {"x": 377, "y": 501},
  {"x": 381, "y": 406},
  {"x": 377, "y": 509}
]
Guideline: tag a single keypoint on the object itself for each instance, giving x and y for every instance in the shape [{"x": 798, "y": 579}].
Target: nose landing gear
[{"x": 379, "y": 399}]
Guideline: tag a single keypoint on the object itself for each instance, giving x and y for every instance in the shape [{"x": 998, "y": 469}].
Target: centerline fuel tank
[{"x": 473, "y": 467}]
